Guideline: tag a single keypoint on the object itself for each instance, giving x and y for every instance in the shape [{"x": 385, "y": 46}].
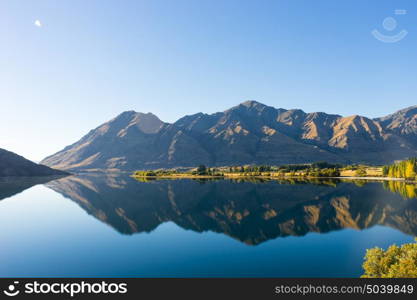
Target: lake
[{"x": 97, "y": 225}]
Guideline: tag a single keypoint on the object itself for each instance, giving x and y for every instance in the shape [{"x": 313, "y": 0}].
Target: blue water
[{"x": 46, "y": 233}]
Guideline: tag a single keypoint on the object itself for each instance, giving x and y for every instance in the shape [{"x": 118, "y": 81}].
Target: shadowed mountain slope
[{"x": 12, "y": 164}]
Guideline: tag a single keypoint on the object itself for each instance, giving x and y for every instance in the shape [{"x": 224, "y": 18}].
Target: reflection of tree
[
  {"x": 145, "y": 179},
  {"x": 407, "y": 190},
  {"x": 360, "y": 183}
]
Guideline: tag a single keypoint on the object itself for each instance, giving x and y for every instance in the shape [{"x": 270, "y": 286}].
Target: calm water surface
[{"x": 116, "y": 226}]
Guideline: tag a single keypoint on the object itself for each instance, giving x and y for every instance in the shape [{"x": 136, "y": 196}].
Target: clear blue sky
[{"x": 91, "y": 60}]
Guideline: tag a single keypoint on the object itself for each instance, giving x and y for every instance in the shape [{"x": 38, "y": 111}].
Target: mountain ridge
[
  {"x": 14, "y": 165},
  {"x": 248, "y": 133}
]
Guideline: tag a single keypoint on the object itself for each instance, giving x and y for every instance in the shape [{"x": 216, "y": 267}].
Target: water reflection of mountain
[
  {"x": 247, "y": 211},
  {"x": 10, "y": 186}
]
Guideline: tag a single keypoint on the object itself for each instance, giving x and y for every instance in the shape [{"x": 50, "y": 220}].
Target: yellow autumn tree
[
  {"x": 410, "y": 169},
  {"x": 395, "y": 262},
  {"x": 405, "y": 169}
]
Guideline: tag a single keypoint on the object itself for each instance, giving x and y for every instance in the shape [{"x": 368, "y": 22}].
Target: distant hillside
[
  {"x": 12, "y": 164},
  {"x": 249, "y": 133}
]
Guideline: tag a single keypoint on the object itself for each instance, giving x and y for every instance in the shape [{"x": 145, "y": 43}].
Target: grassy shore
[
  {"x": 165, "y": 174},
  {"x": 315, "y": 170}
]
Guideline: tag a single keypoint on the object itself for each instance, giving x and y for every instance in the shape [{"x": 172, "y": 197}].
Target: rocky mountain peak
[{"x": 249, "y": 133}]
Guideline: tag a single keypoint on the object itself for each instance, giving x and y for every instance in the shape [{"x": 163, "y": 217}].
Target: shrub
[
  {"x": 395, "y": 262},
  {"x": 360, "y": 172}
]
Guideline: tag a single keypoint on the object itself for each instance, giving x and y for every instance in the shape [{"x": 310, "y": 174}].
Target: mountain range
[
  {"x": 249, "y": 133},
  {"x": 13, "y": 165}
]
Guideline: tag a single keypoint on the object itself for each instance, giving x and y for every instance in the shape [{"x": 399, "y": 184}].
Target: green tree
[
  {"x": 395, "y": 262},
  {"x": 385, "y": 170},
  {"x": 201, "y": 170},
  {"x": 360, "y": 172}
]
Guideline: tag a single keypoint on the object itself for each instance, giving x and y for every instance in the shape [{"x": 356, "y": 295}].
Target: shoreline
[
  {"x": 186, "y": 176},
  {"x": 374, "y": 178}
]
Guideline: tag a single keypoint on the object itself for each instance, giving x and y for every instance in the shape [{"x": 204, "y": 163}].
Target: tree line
[{"x": 404, "y": 169}]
